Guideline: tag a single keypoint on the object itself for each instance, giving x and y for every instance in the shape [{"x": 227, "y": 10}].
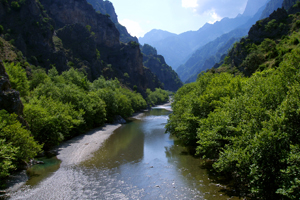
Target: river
[{"x": 138, "y": 161}]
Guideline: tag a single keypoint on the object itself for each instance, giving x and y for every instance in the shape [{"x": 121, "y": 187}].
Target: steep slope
[
  {"x": 30, "y": 29},
  {"x": 271, "y": 6},
  {"x": 113, "y": 59},
  {"x": 259, "y": 51},
  {"x": 287, "y": 4},
  {"x": 106, "y": 7},
  {"x": 205, "y": 57},
  {"x": 253, "y": 6},
  {"x": 156, "y": 63}
]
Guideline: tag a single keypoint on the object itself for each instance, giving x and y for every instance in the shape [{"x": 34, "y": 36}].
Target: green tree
[
  {"x": 17, "y": 144},
  {"x": 18, "y": 78}
]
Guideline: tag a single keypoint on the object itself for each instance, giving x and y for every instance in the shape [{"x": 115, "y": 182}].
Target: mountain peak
[{"x": 155, "y": 35}]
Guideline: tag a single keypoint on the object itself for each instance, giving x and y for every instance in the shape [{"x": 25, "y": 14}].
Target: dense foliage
[
  {"x": 61, "y": 106},
  {"x": 16, "y": 143},
  {"x": 249, "y": 125}
]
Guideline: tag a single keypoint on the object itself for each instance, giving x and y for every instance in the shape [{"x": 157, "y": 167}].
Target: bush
[
  {"x": 51, "y": 121},
  {"x": 18, "y": 78},
  {"x": 17, "y": 144}
]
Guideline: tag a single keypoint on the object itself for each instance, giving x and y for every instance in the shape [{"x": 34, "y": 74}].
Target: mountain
[
  {"x": 107, "y": 8},
  {"x": 206, "y": 56},
  {"x": 154, "y": 36},
  {"x": 287, "y": 4},
  {"x": 271, "y": 6},
  {"x": 176, "y": 48},
  {"x": 253, "y": 6},
  {"x": 157, "y": 65}
]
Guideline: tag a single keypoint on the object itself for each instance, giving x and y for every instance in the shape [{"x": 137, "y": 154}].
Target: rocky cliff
[
  {"x": 65, "y": 12},
  {"x": 165, "y": 73},
  {"x": 28, "y": 27},
  {"x": 107, "y": 8}
]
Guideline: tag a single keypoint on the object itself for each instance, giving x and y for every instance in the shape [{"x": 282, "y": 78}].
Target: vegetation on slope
[{"x": 246, "y": 116}]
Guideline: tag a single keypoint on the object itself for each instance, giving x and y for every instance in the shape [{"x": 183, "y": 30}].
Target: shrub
[
  {"x": 16, "y": 143},
  {"x": 17, "y": 77}
]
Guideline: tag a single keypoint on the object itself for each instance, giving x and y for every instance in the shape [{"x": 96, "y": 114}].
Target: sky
[{"x": 175, "y": 16}]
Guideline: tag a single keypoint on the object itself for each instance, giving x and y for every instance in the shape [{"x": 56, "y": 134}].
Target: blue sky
[{"x": 176, "y": 16}]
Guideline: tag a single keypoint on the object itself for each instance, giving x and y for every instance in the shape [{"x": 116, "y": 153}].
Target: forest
[
  {"x": 58, "y": 107},
  {"x": 244, "y": 115}
]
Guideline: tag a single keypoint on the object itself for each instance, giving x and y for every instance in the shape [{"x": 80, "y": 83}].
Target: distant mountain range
[
  {"x": 178, "y": 48},
  {"x": 191, "y": 52}
]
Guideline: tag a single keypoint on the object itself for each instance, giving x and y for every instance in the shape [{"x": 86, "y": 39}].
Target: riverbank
[
  {"x": 77, "y": 149},
  {"x": 71, "y": 152},
  {"x": 80, "y": 148}
]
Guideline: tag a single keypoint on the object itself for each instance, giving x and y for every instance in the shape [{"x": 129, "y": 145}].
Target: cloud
[
  {"x": 221, "y": 8},
  {"x": 133, "y": 27},
  {"x": 189, "y": 3},
  {"x": 213, "y": 15}
]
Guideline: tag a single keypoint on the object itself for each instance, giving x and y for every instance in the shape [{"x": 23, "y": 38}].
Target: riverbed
[{"x": 137, "y": 160}]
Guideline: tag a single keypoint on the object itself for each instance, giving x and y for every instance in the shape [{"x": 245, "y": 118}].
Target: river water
[{"x": 138, "y": 161}]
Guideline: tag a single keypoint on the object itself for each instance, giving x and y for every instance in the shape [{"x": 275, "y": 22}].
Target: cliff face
[
  {"x": 65, "y": 12},
  {"x": 287, "y": 4},
  {"x": 156, "y": 63},
  {"x": 107, "y": 8},
  {"x": 91, "y": 41},
  {"x": 30, "y": 29}
]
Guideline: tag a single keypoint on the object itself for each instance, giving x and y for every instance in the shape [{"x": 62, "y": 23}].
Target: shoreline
[
  {"x": 70, "y": 152},
  {"x": 81, "y": 148},
  {"x": 78, "y": 149}
]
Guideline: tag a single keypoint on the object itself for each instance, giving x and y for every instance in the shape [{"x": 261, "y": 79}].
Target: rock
[
  {"x": 34, "y": 162},
  {"x": 119, "y": 120}
]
